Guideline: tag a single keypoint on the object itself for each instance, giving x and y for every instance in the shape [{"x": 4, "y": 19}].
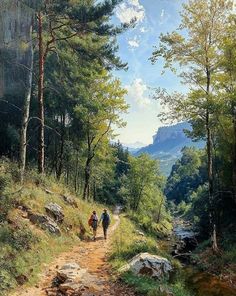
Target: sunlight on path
[{"x": 91, "y": 256}]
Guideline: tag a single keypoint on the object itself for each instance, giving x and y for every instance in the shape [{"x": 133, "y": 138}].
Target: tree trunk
[
  {"x": 212, "y": 218},
  {"x": 62, "y": 144},
  {"x": 25, "y": 115},
  {"x": 76, "y": 173},
  {"x": 211, "y": 189},
  {"x": 87, "y": 173},
  {"x": 234, "y": 153},
  {"x": 94, "y": 190},
  {"x": 41, "y": 145}
]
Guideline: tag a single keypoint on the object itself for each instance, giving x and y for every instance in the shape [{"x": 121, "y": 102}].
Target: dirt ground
[{"x": 91, "y": 256}]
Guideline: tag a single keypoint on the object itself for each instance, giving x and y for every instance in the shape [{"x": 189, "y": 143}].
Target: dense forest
[{"x": 61, "y": 105}]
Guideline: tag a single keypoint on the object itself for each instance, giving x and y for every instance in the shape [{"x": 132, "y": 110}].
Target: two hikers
[{"x": 93, "y": 222}]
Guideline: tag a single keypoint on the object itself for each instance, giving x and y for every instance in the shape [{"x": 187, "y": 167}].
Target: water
[
  {"x": 205, "y": 284},
  {"x": 202, "y": 283}
]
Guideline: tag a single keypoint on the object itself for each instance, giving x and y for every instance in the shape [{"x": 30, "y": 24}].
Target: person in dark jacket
[{"x": 106, "y": 220}]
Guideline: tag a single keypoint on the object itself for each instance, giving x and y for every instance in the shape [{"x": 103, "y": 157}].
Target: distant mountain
[
  {"x": 133, "y": 147},
  {"x": 168, "y": 143}
]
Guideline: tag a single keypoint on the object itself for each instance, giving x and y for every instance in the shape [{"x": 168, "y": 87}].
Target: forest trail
[{"x": 89, "y": 255}]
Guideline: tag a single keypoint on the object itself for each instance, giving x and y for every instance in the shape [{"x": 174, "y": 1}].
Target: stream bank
[{"x": 200, "y": 282}]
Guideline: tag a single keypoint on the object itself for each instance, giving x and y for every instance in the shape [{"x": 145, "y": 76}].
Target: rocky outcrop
[
  {"x": 73, "y": 280},
  {"x": 149, "y": 265},
  {"x": 69, "y": 200},
  {"x": 44, "y": 222},
  {"x": 167, "y": 145},
  {"x": 55, "y": 212},
  {"x": 70, "y": 272}
]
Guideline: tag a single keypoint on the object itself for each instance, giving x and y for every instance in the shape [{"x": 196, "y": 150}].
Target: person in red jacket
[{"x": 93, "y": 222}]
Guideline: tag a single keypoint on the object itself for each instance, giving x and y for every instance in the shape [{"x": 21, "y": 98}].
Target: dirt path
[{"x": 91, "y": 256}]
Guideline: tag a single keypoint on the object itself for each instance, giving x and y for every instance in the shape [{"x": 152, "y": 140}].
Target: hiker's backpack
[
  {"x": 106, "y": 219},
  {"x": 90, "y": 221}
]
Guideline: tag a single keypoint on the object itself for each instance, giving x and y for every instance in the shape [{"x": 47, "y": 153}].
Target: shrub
[{"x": 18, "y": 239}]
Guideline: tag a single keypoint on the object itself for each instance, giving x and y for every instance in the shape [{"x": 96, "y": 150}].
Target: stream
[{"x": 202, "y": 283}]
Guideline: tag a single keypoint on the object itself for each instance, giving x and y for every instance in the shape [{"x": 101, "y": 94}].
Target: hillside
[
  {"x": 168, "y": 143},
  {"x": 38, "y": 221}
]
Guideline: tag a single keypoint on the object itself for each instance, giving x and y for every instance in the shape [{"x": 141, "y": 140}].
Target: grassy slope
[
  {"x": 24, "y": 246},
  {"x": 126, "y": 244}
]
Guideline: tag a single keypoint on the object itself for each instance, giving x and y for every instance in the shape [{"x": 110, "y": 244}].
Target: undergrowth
[
  {"x": 26, "y": 247},
  {"x": 127, "y": 242}
]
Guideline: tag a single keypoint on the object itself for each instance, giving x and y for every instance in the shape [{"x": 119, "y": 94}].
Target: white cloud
[
  {"x": 134, "y": 42},
  {"x": 137, "y": 93},
  {"x": 143, "y": 30},
  {"x": 162, "y": 13},
  {"x": 129, "y": 10},
  {"x": 164, "y": 17}
]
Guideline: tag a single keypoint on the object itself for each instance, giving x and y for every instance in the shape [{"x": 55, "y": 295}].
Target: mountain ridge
[{"x": 168, "y": 143}]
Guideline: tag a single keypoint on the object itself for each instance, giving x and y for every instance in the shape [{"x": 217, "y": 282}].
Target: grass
[
  {"x": 25, "y": 248},
  {"x": 125, "y": 245}
]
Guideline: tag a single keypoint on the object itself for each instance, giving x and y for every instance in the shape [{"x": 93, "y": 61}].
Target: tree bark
[
  {"x": 87, "y": 174},
  {"x": 212, "y": 220},
  {"x": 41, "y": 142},
  {"x": 76, "y": 173},
  {"x": 25, "y": 115},
  {"x": 61, "y": 153},
  {"x": 234, "y": 153}
]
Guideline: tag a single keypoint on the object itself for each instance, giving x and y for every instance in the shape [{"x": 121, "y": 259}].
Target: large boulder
[
  {"x": 55, "y": 211},
  {"x": 70, "y": 271},
  {"x": 44, "y": 222},
  {"x": 70, "y": 278},
  {"x": 149, "y": 265}
]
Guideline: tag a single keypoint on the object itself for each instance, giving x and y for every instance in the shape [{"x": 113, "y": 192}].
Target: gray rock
[
  {"x": 44, "y": 222},
  {"x": 49, "y": 191},
  {"x": 71, "y": 277},
  {"x": 140, "y": 233},
  {"x": 55, "y": 211},
  {"x": 149, "y": 265},
  {"x": 69, "y": 200},
  {"x": 69, "y": 271}
]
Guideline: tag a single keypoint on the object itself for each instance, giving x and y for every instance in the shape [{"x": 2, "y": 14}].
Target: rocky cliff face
[
  {"x": 15, "y": 44},
  {"x": 169, "y": 139},
  {"x": 168, "y": 143}
]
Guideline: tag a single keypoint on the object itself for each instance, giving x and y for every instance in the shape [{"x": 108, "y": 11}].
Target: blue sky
[{"x": 136, "y": 45}]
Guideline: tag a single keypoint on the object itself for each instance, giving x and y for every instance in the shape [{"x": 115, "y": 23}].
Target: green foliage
[
  {"x": 126, "y": 244},
  {"x": 206, "y": 64},
  {"x": 18, "y": 239},
  {"x": 7, "y": 281},
  {"x": 25, "y": 247},
  {"x": 142, "y": 190},
  {"x": 144, "y": 285},
  {"x": 186, "y": 176},
  {"x": 151, "y": 287},
  {"x": 15, "y": 241},
  {"x": 183, "y": 208}
]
